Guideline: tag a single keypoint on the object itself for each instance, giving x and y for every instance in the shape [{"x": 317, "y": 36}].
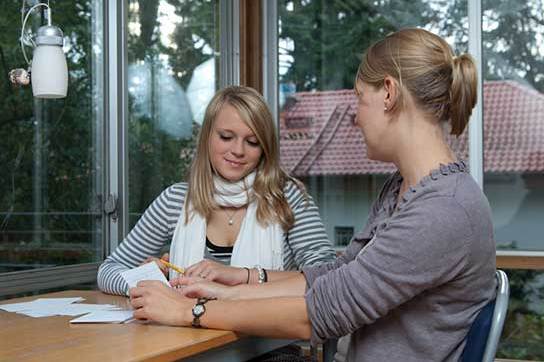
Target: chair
[{"x": 485, "y": 332}]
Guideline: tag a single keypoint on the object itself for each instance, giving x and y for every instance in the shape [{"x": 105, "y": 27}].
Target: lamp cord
[{"x": 22, "y": 38}]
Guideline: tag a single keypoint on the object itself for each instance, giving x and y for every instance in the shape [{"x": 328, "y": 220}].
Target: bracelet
[
  {"x": 261, "y": 273},
  {"x": 247, "y": 281}
]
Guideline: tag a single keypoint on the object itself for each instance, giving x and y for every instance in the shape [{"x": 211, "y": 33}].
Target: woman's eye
[
  {"x": 253, "y": 143},
  {"x": 225, "y": 137}
]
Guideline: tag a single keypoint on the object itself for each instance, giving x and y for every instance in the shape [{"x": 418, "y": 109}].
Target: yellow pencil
[{"x": 172, "y": 266}]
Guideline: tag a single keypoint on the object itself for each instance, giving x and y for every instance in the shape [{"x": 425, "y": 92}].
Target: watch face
[{"x": 198, "y": 310}]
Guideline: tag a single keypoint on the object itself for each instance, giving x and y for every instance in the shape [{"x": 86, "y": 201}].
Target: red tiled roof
[{"x": 318, "y": 135}]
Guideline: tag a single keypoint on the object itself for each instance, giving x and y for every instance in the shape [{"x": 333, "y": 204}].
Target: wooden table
[{"x": 25, "y": 338}]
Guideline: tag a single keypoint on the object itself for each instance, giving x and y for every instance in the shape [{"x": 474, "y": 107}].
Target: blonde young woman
[
  {"x": 238, "y": 216},
  {"x": 412, "y": 281}
]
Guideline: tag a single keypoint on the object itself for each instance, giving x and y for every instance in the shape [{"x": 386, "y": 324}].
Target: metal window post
[
  {"x": 270, "y": 56},
  {"x": 475, "y": 138},
  {"x": 229, "y": 19},
  {"x": 116, "y": 199}
]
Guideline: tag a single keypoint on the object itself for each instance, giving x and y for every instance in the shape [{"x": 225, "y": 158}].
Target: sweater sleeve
[
  {"x": 307, "y": 242},
  {"x": 154, "y": 230},
  {"x": 418, "y": 249}
]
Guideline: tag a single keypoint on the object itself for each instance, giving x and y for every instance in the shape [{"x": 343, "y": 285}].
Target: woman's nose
[{"x": 238, "y": 149}]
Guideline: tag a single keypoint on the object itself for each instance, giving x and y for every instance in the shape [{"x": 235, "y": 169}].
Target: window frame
[
  {"x": 505, "y": 259},
  {"x": 115, "y": 224}
]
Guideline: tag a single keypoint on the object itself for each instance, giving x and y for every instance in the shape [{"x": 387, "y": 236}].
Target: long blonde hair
[
  {"x": 423, "y": 64},
  {"x": 270, "y": 180}
]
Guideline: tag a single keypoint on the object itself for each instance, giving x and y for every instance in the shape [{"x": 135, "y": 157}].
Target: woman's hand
[
  {"x": 217, "y": 272},
  {"x": 200, "y": 288},
  {"x": 154, "y": 301},
  {"x": 162, "y": 267}
]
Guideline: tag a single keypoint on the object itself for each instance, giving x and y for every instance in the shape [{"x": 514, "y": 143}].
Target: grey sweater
[{"x": 411, "y": 283}]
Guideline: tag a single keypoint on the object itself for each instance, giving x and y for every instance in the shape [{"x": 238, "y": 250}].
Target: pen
[{"x": 172, "y": 266}]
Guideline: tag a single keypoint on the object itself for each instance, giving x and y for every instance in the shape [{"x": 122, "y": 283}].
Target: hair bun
[{"x": 463, "y": 91}]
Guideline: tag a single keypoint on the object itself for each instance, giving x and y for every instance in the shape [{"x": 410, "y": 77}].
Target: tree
[
  {"x": 51, "y": 150},
  {"x": 511, "y": 35},
  {"x": 324, "y": 40},
  {"x": 161, "y": 159}
]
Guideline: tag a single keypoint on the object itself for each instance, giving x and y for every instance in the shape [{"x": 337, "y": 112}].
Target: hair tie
[{"x": 454, "y": 59}]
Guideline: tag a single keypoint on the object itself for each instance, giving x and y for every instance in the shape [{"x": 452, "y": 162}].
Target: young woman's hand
[
  {"x": 162, "y": 267},
  {"x": 200, "y": 288},
  {"x": 217, "y": 272},
  {"x": 154, "y": 301}
]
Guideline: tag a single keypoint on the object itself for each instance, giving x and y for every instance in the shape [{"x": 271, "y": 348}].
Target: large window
[
  {"x": 514, "y": 121},
  {"x": 320, "y": 46},
  {"x": 173, "y": 58},
  {"x": 51, "y": 151},
  {"x": 513, "y": 73}
]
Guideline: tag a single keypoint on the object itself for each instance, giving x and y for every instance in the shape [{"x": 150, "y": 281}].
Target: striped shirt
[
  {"x": 221, "y": 254},
  {"x": 305, "y": 243}
]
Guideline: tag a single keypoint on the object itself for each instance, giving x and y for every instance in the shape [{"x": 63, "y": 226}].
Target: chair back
[{"x": 484, "y": 333}]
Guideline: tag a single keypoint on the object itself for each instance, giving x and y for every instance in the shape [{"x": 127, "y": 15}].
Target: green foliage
[
  {"x": 158, "y": 160},
  {"x": 510, "y": 39},
  {"x": 326, "y": 39},
  {"x": 52, "y": 150},
  {"x": 523, "y": 333},
  {"x": 47, "y": 151}
]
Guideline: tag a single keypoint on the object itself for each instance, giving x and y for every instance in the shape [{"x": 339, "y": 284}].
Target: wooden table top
[{"x": 25, "y": 338}]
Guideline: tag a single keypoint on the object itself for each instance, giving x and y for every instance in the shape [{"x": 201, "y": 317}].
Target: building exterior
[{"x": 321, "y": 145}]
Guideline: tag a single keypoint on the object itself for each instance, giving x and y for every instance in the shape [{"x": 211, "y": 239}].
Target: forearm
[
  {"x": 109, "y": 278},
  {"x": 273, "y": 317},
  {"x": 276, "y": 275},
  {"x": 272, "y": 275},
  {"x": 291, "y": 284}
]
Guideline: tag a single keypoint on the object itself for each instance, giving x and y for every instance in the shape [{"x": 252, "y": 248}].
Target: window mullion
[{"x": 475, "y": 140}]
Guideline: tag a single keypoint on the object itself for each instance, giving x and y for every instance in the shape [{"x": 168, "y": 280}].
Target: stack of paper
[
  {"x": 47, "y": 307},
  {"x": 94, "y": 313}
]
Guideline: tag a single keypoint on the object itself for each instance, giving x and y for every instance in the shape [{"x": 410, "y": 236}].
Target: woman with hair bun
[{"x": 410, "y": 284}]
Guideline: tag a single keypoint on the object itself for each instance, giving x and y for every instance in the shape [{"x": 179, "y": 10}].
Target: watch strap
[{"x": 196, "y": 317}]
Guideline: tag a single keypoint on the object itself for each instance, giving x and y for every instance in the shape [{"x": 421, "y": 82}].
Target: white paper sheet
[
  {"x": 39, "y": 304},
  {"x": 69, "y": 309},
  {"x": 47, "y": 307},
  {"x": 149, "y": 271},
  {"x": 117, "y": 316}
]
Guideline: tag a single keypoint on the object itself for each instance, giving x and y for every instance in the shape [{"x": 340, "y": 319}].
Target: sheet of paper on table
[
  {"x": 115, "y": 316},
  {"x": 48, "y": 307}
]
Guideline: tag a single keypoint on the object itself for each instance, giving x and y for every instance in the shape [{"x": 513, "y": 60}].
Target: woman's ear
[{"x": 391, "y": 93}]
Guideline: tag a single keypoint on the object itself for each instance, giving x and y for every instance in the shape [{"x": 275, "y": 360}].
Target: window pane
[
  {"x": 513, "y": 33},
  {"x": 172, "y": 75},
  {"x": 51, "y": 180},
  {"x": 320, "y": 47},
  {"x": 522, "y": 337},
  {"x": 514, "y": 157}
]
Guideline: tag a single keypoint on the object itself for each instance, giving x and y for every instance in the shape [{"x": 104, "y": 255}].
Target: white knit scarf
[{"x": 255, "y": 245}]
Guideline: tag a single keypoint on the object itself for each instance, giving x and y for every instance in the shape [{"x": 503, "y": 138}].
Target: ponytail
[{"x": 463, "y": 92}]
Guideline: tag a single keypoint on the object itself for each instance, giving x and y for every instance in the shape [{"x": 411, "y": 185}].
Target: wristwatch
[{"x": 198, "y": 311}]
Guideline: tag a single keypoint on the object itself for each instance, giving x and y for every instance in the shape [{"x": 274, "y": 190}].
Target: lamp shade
[{"x": 49, "y": 69}]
